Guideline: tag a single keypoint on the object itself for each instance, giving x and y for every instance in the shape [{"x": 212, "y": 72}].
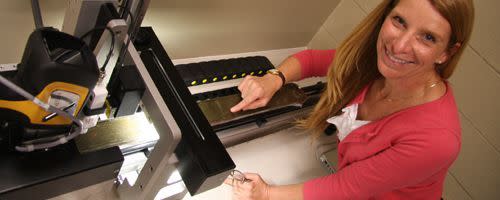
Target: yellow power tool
[{"x": 59, "y": 71}]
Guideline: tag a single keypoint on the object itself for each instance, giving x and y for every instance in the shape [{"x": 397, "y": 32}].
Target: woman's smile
[{"x": 396, "y": 60}]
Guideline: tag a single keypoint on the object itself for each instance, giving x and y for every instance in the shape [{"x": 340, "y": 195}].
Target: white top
[{"x": 346, "y": 122}]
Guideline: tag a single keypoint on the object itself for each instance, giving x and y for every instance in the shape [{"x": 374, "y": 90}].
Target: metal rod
[{"x": 37, "y": 15}]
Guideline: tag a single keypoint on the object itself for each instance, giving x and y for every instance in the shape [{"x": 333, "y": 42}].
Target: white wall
[
  {"x": 17, "y": 23},
  {"x": 190, "y": 28}
]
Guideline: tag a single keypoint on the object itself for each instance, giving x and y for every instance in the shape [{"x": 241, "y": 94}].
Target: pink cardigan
[{"x": 405, "y": 155}]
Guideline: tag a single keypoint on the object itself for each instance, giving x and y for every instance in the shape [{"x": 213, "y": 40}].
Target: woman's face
[{"x": 413, "y": 38}]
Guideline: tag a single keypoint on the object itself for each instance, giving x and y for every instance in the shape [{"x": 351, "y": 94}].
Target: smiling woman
[
  {"x": 389, "y": 77},
  {"x": 410, "y": 45}
]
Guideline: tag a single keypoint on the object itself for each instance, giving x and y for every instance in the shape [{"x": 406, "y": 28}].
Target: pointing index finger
[{"x": 242, "y": 104}]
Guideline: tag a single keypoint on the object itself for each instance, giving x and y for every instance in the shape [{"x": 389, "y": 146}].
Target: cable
[
  {"x": 132, "y": 21},
  {"x": 123, "y": 49},
  {"x": 131, "y": 32},
  {"x": 112, "y": 47},
  {"x": 48, "y": 108},
  {"x": 136, "y": 20},
  {"x": 17, "y": 89},
  {"x": 37, "y": 15},
  {"x": 128, "y": 12}
]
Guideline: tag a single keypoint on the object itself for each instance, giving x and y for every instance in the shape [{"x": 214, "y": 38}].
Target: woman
[{"x": 390, "y": 74}]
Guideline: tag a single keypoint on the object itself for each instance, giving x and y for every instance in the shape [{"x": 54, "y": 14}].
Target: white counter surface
[{"x": 285, "y": 157}]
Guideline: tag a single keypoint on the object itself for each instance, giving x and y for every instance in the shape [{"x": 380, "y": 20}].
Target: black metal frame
[
  {"x": 203, "y": 160},
  {"x": 42, "y": 175}
]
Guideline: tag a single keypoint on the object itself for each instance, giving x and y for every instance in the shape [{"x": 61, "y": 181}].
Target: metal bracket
[{"x": 157, "y": 168}]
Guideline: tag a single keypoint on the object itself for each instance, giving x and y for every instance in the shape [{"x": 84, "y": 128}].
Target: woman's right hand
[
  {"x": 252, "y": 188},
  {"x": 257, "y": 91}
]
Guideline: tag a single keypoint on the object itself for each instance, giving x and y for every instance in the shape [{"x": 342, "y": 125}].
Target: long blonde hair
[{"x": 355, "y": 61}]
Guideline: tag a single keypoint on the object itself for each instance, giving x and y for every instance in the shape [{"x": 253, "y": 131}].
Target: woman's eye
[
  {"x": 399, "y": 20},
  {"x": 429, "y": 37}
]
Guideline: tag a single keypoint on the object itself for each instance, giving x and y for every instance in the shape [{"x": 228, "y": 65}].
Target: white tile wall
[
  {"x": 486, "y": 40},
  {"x": 453, "y": 190},
  {"x": 343, "y": 19},
  {"x": 476, "y": 86},
  {"x": 323, "y": 40},
  {"x": 367, "y": 5},
  {"x": 477, "y": 167}
]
